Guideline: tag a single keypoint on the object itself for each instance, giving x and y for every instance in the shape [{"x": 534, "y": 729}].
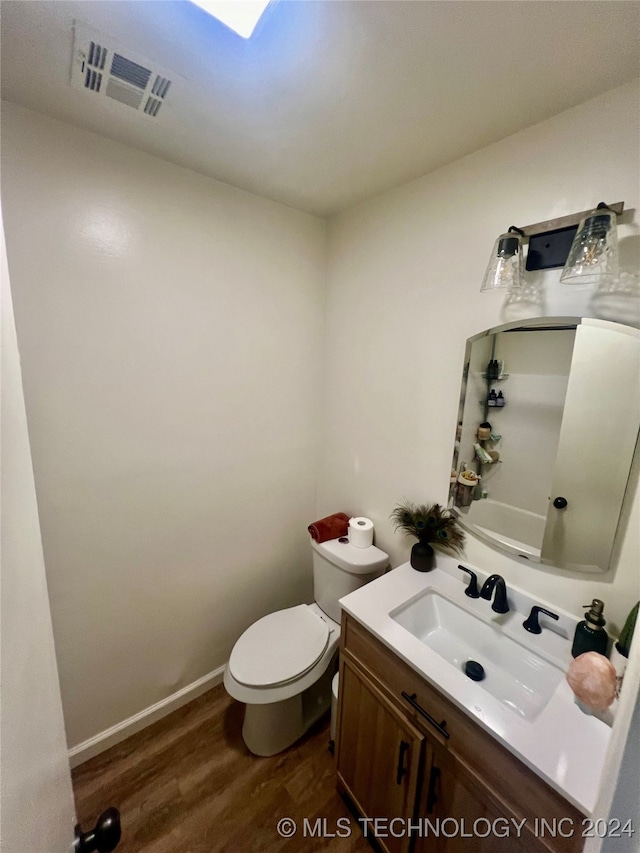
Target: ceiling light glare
[{"x": 241, "y": 16}]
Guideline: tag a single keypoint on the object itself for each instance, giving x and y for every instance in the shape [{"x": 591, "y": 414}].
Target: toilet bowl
[{"x": 283, "y": 664}]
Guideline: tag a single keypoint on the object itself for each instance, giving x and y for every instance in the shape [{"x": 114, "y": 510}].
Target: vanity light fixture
[
  {"x": 504, "y": 271},
  {"x": 593, "y": 255},
  {"x": 585, "y": 244}
]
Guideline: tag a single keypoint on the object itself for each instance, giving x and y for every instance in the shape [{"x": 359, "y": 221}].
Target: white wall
[
  {"x": 404, "y": 295},
  {"x": 36, "y": 801},
  {"x": 625, "y": 805},
  {"x": 170, "y": 329}
]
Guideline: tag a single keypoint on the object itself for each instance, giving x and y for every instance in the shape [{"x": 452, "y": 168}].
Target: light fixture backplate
[{"x": 550, "y": 249}]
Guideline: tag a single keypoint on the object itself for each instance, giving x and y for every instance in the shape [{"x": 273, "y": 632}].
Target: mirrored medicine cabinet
[{"x": 547, "y": 430}]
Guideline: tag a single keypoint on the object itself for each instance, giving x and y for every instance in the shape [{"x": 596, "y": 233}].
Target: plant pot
[{"x": 423, "y": 557}]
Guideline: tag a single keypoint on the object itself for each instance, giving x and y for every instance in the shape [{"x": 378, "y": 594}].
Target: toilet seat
[{"x": 279, "y": 648}]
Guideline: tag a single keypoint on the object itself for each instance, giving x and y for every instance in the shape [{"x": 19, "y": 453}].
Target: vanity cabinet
[
  {"x": 405, "y": 751},
  {"x": 380, "y": 758}
]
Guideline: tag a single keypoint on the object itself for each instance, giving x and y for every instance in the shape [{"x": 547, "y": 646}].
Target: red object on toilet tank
[{"x": 332, "y": 527}]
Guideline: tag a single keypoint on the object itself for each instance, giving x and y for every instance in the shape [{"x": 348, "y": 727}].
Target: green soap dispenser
[{"x": 590, "y": 635}]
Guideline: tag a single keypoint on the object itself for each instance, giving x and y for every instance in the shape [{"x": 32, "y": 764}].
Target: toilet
[{"x": 283, "y": 664}]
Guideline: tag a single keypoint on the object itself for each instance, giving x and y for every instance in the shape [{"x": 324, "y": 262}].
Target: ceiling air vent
[{"x": 109, "y": 70}]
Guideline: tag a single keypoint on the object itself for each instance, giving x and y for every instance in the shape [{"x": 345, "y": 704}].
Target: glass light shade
[
  {"x": 505, "y": 265},
  {"x": 593, "y": 255}
]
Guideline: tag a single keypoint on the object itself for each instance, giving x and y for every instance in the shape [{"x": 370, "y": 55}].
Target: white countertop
[{"x": 563, "y": 745}]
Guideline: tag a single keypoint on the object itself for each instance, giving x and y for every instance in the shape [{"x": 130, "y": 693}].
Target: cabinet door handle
[
  {"x": 404, "y": 748},
  {"x": 441, "y": 727},
  {"x": 432, "y": 799}
]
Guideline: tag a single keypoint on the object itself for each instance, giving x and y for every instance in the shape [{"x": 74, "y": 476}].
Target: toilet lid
[{"x": 279, "y": 647}]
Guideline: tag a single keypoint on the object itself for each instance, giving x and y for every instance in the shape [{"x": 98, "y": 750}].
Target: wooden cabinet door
[
  {"x": 379, "y": 756},
  {"x": 458, "y": 814}
]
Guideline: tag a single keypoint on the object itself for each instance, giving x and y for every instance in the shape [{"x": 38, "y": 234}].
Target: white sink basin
[
  {"x": 426, "y": 619},
  {"x": 518, "y": 677}
]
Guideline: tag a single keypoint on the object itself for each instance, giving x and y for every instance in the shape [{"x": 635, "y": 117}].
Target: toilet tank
[{"x": 339, "y": 568}]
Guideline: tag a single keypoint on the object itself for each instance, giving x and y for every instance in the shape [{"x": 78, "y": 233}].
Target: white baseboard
[{"x": 121, "y": 731}]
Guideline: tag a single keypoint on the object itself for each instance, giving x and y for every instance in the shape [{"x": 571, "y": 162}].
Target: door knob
[
  {"x": 560, "y": 503},
  {"x": 104, "y": 837}
]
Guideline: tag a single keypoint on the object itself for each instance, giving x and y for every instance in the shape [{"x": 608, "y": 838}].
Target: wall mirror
[{"x": 547, "y": 429}]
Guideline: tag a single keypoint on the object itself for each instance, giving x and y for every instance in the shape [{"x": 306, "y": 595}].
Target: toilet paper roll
[{"x": 361, "y": 532}]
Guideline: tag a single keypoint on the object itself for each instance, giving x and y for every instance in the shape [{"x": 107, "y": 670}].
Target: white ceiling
[{"x": 330, "y": 102}]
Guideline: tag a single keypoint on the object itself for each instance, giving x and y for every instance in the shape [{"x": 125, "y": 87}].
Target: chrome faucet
[{"x": 500, "y": 603}]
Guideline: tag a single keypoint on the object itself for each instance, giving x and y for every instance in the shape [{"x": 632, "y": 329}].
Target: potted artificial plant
[
  {"x": 432, "y": 526},
  {"x": 621, "y": 648},
  {"x": 624, "y": 641}
]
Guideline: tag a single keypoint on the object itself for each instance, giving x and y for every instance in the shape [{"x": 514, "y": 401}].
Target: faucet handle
[
  {"x": 472, "y": 589},
  {"x": 531, "y": 624}
]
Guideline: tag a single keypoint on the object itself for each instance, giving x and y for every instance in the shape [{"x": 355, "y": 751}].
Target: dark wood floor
[{"x": 188, "y": 784}]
